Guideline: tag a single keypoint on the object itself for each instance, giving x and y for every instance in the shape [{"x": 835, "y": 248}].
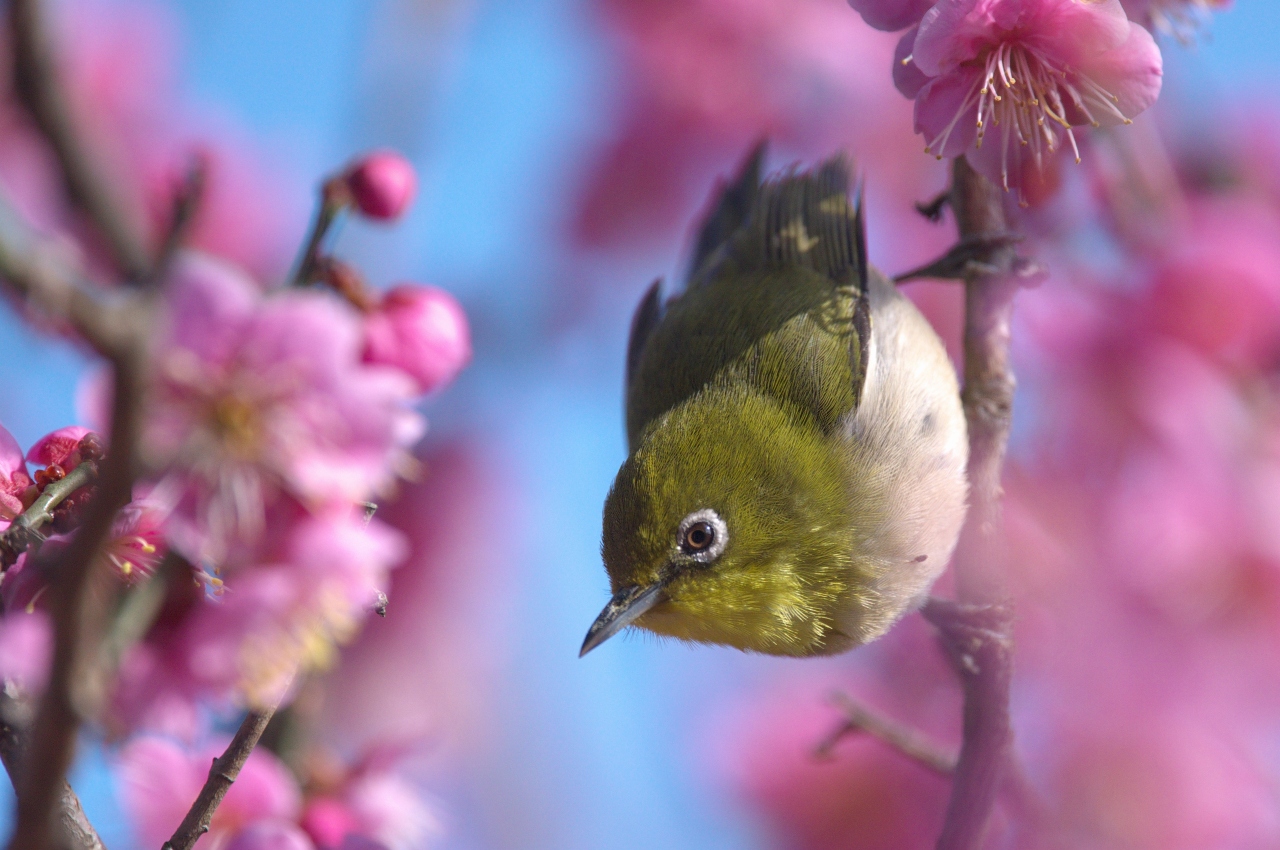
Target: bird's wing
[{"x": 778, "y": 294}]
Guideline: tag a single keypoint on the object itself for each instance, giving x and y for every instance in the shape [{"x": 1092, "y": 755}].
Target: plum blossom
[
  {"x": 891, "y": 15},
  {"x": 420, "y": 330},
  {"x": 14, "y": 480},
  {"x": 258, "y": 396},
  {"x": 159, "y": 779},
  {"x": 61, "y": 447},
  {"x": 1025, "y": 72},
  {"x": 309, "y": 591},
  {"x": 26, "y": 648},
  {"x": 270, "y": 835},
  {"x": 136, "y": 544}
]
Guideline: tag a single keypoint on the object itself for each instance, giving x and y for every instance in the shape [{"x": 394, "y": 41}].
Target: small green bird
[{"x": 796, "y": 480}]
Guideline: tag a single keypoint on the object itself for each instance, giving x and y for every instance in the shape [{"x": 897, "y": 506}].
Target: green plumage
[{"x": 743, "y": 400}]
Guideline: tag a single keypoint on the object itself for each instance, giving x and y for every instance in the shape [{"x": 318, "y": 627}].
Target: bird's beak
[{"x": 626, "y": 606}]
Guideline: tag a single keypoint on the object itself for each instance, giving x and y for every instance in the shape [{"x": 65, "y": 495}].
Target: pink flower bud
[
  {"x": 382, "y": 184},
  {"x": 420, "y": 330},
  {"x": 60, "y": 447}
]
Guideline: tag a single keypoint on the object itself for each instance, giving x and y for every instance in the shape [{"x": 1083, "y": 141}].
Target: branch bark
[
  {"x": 82, "y": 589},
  {"x": 35, "y": 75},
  {"x": 976, "y": 629},
  {"x": 222, "y": 773},
  {"x": 78, "y": 833}
]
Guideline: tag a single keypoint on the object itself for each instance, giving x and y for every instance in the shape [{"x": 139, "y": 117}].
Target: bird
[{"x": 795, "y": 480}]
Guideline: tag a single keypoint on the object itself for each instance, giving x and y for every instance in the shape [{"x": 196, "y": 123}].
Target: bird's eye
[
  {"x": 698, "y": 537},
  {"x": 703, "y": 536}
]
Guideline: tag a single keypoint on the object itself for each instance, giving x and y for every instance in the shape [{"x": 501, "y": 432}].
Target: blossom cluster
[
  {"x": 279, "y": 411},
  {"x": 362, "y": 806}
]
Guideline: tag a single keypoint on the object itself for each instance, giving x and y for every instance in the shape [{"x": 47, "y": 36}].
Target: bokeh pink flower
[{"x": 261, "y": 396}]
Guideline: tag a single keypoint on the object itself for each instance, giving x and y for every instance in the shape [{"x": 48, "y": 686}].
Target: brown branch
[
  {"x": 82, "y": 589},
  {"x": 35, "y": 75},
  {"x": 75, "y": 829},
  {"x": 222, "y": 773},
  {"x": 976, "y": 629},
  {"x": 904, "y": 739},
  {"x": 81, "y": 592},
  {"x": 181, "y": 218}
]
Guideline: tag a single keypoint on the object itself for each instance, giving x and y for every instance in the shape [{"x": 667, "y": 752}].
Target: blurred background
[{"x": 564, "y": 150}]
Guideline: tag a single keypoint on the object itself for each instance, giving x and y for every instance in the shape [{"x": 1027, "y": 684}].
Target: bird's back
[{"x": 771, "y": 304}]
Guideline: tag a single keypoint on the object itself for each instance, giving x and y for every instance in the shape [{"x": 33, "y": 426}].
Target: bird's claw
[{"x": 970, "y": 256}]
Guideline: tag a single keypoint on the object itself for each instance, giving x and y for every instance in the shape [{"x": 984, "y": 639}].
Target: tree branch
[
  {"x": 904, "y": 739},
  {"x": 77, "y": 832},
  {"x": 35, "y": 76},
  {"x": 222, "y": 773},
  {"x": 977, "y": 629},
  {"x": 82, "y": 590},
  {"x": 81, "y": 593}
]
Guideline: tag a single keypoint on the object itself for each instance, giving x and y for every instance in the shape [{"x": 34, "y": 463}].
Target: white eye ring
[{"x": 707, "y": 523}]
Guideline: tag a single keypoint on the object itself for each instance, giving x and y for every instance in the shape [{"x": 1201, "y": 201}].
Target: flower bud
[
  {"x": 382, "y": 184},
  {"x": 420, "y": 330},
  {"x": 61, "y": 447}
]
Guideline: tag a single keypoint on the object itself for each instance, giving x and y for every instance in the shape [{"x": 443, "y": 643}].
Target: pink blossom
[
  {"x": 382, "y": 184},
  {"x": 61, "y": 447},
  {"x": 1218, "y": 288},
  {"x": 136, "y": 544},
  {"x": 420, "y": 330},
  {"x": 1027, "y": 71},
  {"x": 159, "y": 779},
  {"x": 26, "y": 648},
  {"x": 270, "y": 835},
  {"x": 14, "y": 480},
  {"x": 289, "y": 611},
  {"x": 389, "y": 811},
  {"x": 261, "y": 396},
  {"x": 891, "y": 15},
  {"x": 328, "y": 821}
]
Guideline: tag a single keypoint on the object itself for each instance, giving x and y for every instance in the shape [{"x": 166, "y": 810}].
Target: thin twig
[
  {"x": 35, "y": 75},
  {"x": 976, "y": 629},
  {"x": 333, "y": 200},
  {"x": 222, "y": 773},
  {"x": 24, "y": 532},
  {"x": 42, "y": 272},
  {"x": 904, "y": 739},
  {"x": 182, "y": 217}
]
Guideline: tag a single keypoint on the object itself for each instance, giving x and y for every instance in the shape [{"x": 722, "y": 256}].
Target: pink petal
[
  {"x": 1133, "y": 72},
  {"x": 11, "y": 459},
  {"x": 938, "y": 105},
  {"x": 891, "y": 15},
  {"x": 907, "y": 75}
]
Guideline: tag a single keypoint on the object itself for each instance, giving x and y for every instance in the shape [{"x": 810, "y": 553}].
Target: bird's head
[{"x": 729, "y": 524}]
